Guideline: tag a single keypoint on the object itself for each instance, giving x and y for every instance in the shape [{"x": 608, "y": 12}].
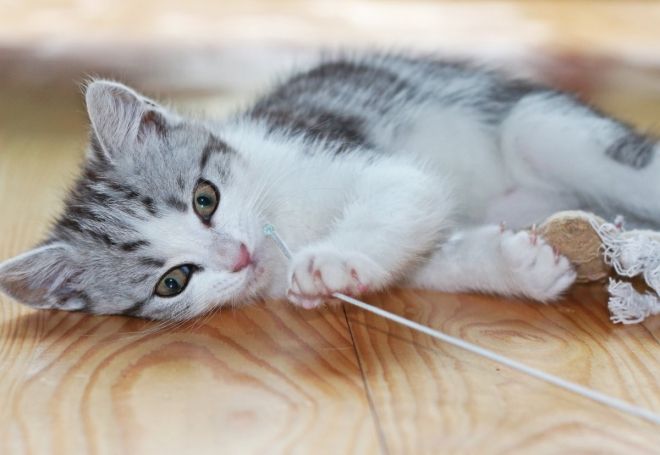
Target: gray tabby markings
[
  {"x": 213, "y": 146},
  {"x": 152, "y": 262},
  {"x": 176, "y": 203},
  {"x": 634, "y": 150},
  {"x": 297, "y": 106},
  {"x": 135, "y": 309}
]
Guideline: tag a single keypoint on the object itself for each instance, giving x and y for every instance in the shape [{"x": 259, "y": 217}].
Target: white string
[{"x": 594, "y": 395}]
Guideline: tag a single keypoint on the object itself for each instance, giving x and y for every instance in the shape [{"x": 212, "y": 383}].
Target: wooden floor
[{"x": 274, "y": 379}]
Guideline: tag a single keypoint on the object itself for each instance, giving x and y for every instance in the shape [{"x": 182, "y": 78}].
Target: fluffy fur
[{"x": 377, "y": 171}]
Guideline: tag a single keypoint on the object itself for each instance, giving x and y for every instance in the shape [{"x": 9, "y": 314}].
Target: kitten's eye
[
  {"x": 205, "y": 199},
  {"x": 174, "y": 281}
]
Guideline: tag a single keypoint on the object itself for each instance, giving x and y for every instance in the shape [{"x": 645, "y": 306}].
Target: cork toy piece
[{"x": 571, "y": 233}]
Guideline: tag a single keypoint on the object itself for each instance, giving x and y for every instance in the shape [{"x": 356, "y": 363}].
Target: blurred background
[
  {"x": 211, "y": 56},
  {"x": 222, "y": 47}
]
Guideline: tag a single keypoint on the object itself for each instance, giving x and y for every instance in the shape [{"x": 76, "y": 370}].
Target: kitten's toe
[
  {"x": 305, "y": 302},
  {"x": 520, "y": 249},
  {"x": 535, "y": 267}
]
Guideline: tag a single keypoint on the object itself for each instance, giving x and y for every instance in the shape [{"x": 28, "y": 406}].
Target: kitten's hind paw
[{"x": 538, "y": 271}]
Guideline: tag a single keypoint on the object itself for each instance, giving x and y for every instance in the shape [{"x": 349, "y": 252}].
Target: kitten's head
[{"x": 158, "y": 225}]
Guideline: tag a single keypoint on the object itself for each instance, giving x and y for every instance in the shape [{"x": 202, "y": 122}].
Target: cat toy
[
  {"x": 614, "y": 403},
  {"x": 600, "y": 250}
]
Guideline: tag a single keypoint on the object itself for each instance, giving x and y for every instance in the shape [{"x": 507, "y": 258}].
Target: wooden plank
[{"x": 434, "y": 398}]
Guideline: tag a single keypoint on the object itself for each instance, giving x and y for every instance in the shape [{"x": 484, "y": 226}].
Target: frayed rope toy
[
  {"x": 600, "y": 250},
  {"x": 593, "y": 395}
]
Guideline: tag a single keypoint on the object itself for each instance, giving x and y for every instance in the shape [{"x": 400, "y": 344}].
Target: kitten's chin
[{"x": 256, "y": 280}]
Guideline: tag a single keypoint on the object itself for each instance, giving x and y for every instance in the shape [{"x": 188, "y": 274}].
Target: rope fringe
[
  {"x": 627, "y": 306},
  {"x": 630, "y": 254}
]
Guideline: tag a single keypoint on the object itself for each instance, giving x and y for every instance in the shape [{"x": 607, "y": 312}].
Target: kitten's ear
[
  {"x": 121, "y": 118},
  {"x": 44, "y": 277}
]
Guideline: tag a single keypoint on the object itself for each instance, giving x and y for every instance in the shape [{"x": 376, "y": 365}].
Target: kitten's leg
[
  {"x": 553, "y": 143},
  {"x": 521, "y": 207},
  {"x": 396, "y": 214},
  {"x": 492, "y": 260}
]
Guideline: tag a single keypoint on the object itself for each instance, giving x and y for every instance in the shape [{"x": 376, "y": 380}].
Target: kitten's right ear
[
  {"x": 121, "y": 117},
  {"x": 44, "y": 277}
]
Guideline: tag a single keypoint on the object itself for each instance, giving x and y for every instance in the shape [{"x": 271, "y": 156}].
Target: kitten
[{"x": 377, "y": 171}]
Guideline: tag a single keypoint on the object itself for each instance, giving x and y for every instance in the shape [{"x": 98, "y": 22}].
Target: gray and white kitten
[{"x": 377, "y": 171}]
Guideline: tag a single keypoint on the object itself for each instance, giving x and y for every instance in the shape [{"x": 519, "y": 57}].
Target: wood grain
[
  {"x": 267, "y": 378},
  {"x": 433, "y": 398}
]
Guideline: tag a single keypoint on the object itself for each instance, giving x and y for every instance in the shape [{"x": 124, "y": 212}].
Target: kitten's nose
[{"x": 243, "y": 260}]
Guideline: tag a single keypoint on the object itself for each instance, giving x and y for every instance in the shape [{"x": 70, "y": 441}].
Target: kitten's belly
[{"x": 461, "y": 149}]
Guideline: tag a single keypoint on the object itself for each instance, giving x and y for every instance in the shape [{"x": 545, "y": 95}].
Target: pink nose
[{"x": 243, "y": 260}]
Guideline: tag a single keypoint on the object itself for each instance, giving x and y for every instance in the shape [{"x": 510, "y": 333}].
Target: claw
[
  {"x": 533, "y": 235},
  {"x": 295, "y": 285},
  {"x": 360, "y": 287},
  {"x": 557, "y": 255},
  {"x": 301, "y": 300},
  {"x": 318, "y": 280},
  {"x": 310, "y": 304}
]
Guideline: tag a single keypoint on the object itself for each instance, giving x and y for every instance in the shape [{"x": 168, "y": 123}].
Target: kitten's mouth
[{"x": 253, "y": 271}]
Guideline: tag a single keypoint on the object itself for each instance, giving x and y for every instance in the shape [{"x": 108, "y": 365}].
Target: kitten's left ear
[
  {"x": 121, "y": 118},
  {"x": 45, "y": 277}
]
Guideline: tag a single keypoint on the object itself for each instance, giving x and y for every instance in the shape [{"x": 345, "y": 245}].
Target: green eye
[
  {"x": 174, "y": 281},
  {"x": 205, "y": 199}
]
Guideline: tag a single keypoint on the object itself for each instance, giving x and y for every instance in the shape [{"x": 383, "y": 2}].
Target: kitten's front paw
[
  {"x": 538, "y": 271},
  {"x": 318, "y": 272}
]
